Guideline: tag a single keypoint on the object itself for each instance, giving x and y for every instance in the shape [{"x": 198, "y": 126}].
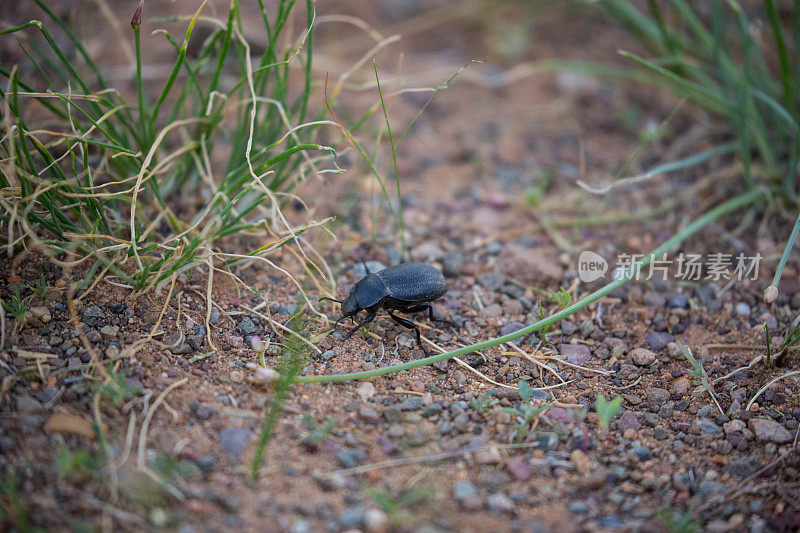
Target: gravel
[
  {"x": 27, "y": 404},
  {"x": 352, "y": 517},
  {"x": 658, "y": 340},
  {"x": 708, "y": 488},
  {"x": 643, "y": 453},
  {"x": 678, "y": 300},
  {"x": 769, "y": 431},
  {"x": 568, "y": 328},
  {"x": 233, "y": 440},
  {"x": 92, "y": 315},
  {"x": 411, "y": 404},
  {"x": 463, "y": 490},
  {"x": 349, "y": 458},
  {"x": 417, "y": 437},
  {"x": 246, "y": 326},
  {"x": 491, "y": 311},
  {"x": 745, "y": 467},
  {"x": 706, "y": 426},
  {"x": 488, "y": 456},
  {"x": 657, "y": 395},
  {"x": 643, "y": 356},
  {"x": 500, "y": 503},
  {"x": 519, "y": 468},
  {"x": 576, "y": 354},
  {"x": 628, "y": 421}
]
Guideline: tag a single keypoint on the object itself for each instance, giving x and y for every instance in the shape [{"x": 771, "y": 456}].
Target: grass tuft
[
  {"x": 91, "y": 176},
  {"x": 17, "y": 306},
  {"x": 742, "y": 66}
]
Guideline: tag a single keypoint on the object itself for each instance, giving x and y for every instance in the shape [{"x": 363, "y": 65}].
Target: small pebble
[
  {"x": 642, "y": 356},
  {"x": 769, "y": 431},
  {"x": 233, "y": 440},
  {"x": 488, "y": 456},
  {"x": 658, "y": 340},
  {"x": 463, "y": 490},
  {"x": 500, "y": 503},
  {"x": 576, "y": 354}
]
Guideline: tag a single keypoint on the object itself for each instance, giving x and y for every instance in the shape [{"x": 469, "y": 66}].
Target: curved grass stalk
[{"x": 722, "y": 209}]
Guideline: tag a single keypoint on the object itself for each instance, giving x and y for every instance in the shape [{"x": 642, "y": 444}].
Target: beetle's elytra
[{"x": 407, "y": 287}]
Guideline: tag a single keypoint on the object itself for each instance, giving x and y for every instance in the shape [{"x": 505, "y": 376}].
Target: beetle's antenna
[
  {"x": 366, "y": 268},
  {"x": 331, "y": 299}
]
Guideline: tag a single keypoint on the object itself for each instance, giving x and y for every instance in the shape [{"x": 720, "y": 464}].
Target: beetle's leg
[
  {"x": 331, "y": 299},
  {"x": 370, "y": 317},
  {"x": 410, "y": 325},
  {"x": 423, "y": 307}
]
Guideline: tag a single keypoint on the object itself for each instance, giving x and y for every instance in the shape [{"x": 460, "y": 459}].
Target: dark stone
[
  {"x": 658, "y": 340},
  {"x": 352, "y": 517},
  {"x": 568, "y": 328},
  {"x": 203, "y": 412},
  {"x": 92, "y": 315},
  {"x": 745, "y": 467},
  {"x": 643, "y": 453},
  {"x": 246, "y": 326},
  {"x": 678, "y": 300},
  {"x": 350, "y": 458},
  {"x": 410, "y": 404},
  {"x": 708, "y": 488},
  {"x": 205, "y": 463}
]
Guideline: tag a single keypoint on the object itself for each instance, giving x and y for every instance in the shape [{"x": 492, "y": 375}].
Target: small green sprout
[
  {"x": 18, "y": 306},
  {"x": 677, "y": 522},
  {"x": 606, "y": 411},
  {"x": 542, "y": 314},
  {"x": 78, "y": 463},
  {"x": 525, "y": 390},
  {"x": 171, "y": 468},
  {"x": 40, "y": 287},
  {"x": 317, "y": 433},
  {"x": 484, "y": 402},
  {"x": 293, "y": 357},
  {"x": 527, "y": 414},
  {"x": 533, "y": 196},
  {"x": 699, "y": 372},
  {"x": 14, "y": 510},
  {"x": 395, "y": 506},
  {"x": 527, "y": 418},
  {"x": 117, "y": 389},
  {"x": 562, "y": 297}
]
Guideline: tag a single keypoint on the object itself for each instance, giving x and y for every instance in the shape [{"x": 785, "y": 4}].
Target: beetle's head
[{"x": 350, "y": 305}]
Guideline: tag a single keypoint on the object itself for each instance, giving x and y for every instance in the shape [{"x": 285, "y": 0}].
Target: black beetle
[{"x": 407, "y": 287}]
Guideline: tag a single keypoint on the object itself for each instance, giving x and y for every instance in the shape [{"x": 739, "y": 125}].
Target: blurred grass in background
[
  {"x": 741, "y": 65},
  {"x": 744, "y": 70}
]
